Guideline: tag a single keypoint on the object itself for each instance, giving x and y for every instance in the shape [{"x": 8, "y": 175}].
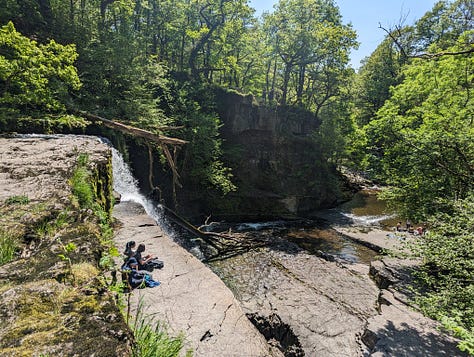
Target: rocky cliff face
[
  {"x": 275, "y": 159},
  {"x": 276, "y": 164}
]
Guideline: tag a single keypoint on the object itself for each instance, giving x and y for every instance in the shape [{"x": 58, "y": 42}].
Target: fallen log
[
  {"x": 158, "y": 138},
  {"x": 183, "y": 223},
  {"x": 161, "y": 140}
]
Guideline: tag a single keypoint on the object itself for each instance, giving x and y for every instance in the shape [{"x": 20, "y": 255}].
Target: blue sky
[{"x": 365, "y": 16}]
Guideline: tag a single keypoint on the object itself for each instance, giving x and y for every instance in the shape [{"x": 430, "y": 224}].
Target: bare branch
[
  {"x": 397, "y": 43},
  {"x": 395, "y": 39}
]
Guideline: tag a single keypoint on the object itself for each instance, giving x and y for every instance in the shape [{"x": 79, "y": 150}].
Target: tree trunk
[
  {"x": 286, "y": 80},
  {"x": 301, "y": 77},
  {"x": 46, "y": 13}
]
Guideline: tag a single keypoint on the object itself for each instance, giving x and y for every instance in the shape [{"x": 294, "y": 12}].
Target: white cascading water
[
  {"x": 127, "y": 186},
  {"x": 368, "y": 220}
]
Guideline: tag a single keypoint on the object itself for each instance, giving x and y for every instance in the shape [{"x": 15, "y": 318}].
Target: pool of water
[
  {"x": 366, "y": 209},
  {"x": 315, "y": 240}
]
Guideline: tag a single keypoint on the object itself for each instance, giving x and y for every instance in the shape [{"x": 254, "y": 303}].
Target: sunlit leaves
[
  {"x": 308, "y": 37},
  {"x": 425, "y": 132},
  {"x": 34, "y": 75}
]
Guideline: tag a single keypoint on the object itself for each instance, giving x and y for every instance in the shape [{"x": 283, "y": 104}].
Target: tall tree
[
  {"x": 425, "y": 132},
  {"x": 378, "y": 73},
  {"x": 313, "y": 45}
]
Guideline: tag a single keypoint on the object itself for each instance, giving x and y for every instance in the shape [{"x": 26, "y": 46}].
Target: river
[
  {"x": 363, "y": 210},
  {"x": 304, "y": 305}
]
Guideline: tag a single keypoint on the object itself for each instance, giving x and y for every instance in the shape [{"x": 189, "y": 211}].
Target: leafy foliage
[
  {"x": 378, "y": 73},
  {"x": 310, "y": 48},
  {"x": 448, "y": 270},
  {"x": 202, "y": 154},
  {"x": 80, "y": 183},
  {"x": 425, "y": 134},
  {"x": 419, "y": 141},
  {"x": 35, "y": 76}
]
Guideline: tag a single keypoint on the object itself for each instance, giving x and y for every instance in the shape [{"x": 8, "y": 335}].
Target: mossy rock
[{"x": 53, "y": 319}]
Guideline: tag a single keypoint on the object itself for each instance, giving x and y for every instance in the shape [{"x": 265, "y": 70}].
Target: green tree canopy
[
  {"x": 312, "y": 48},
  {"x": 425, "y": 133},
  {"x": 35, "y": 76}
]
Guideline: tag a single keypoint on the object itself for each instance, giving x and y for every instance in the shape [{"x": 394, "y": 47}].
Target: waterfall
[{"x": 127, "y": 186}]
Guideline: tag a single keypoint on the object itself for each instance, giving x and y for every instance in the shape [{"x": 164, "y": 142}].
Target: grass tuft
[{"x": 8, "y": 246}]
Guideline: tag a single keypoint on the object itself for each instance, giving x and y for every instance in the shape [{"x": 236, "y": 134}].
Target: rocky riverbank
[
  {"x": 191, "y": 299},
  {"x": 53, "y": 300}
]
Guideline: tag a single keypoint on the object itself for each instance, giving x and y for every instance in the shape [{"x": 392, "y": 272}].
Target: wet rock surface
[
  {"x": 323, "y": 305},
  {"x": 314, "y": 306}
]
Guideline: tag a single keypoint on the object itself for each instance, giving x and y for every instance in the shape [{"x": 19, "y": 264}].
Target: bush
[{"x": 448, "y": 271}]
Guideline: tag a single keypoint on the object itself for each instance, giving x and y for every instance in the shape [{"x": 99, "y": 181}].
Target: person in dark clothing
[
  {"x": 137, "y": 278},
  {"x": 129, "y": 250},
  {"x": 147, "y": 262},
  {"x": 142, "y": 259}
]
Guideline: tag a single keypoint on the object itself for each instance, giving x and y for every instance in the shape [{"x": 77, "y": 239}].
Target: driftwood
[
  {"x": 157, "y": 138},
  {"x": 210, "y": 238},
  {"x": 226, "y": 245}
]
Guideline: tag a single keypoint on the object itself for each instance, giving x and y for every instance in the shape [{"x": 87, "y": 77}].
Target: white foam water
[
  {"x": 368, "y": 220},
  {"x": 127, "y": 186},
  {"x": 247, "y": 226}
]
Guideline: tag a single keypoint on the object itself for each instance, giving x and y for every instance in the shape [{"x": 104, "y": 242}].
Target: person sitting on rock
[
  {"x": 131, "y": 275},
  {"x": 129, "y": 250},
  {"x": 419, "y": 231},
  {"x": 399, "y": 227},
  {"x": 147, "y": 262},
  {"x": 137, "y": 278}
]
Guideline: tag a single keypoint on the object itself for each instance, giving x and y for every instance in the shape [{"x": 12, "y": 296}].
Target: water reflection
[{"x": 329, "y": 241}]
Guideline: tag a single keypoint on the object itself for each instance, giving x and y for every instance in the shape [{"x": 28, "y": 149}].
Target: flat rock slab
[
  {"x": 40, "y": 166},
  {"x": 375, "y": 238},
  {"x": 323, "y": 304},
  {"x": 191, "y": 298},
  {"x": 401, "y": 331},
  {"x": 332, "y": 308}
]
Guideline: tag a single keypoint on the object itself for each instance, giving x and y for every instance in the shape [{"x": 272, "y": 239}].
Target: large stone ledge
[
  {"x": 50, "y": 305},
  {"x": 39, "y": 167},
  {"x": 191, "y": 298}
]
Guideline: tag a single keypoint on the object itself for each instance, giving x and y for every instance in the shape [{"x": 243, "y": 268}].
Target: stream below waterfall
[
  {"x": 301, "y": 304},
  {"x": 363, "y": 210}
]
